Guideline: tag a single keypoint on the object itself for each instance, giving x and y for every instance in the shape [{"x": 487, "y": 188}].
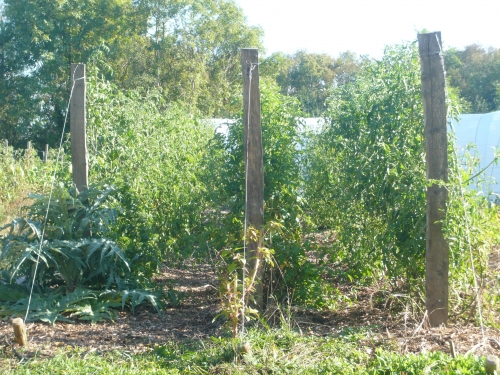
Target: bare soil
[{"x": 193, "y": 319}]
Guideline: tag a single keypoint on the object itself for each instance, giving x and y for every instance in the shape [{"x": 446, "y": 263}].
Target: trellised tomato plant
[{"x": 366, "y": 175}]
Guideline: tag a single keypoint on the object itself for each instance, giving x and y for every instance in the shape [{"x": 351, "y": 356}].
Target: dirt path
[{"x": 193, "y": 319}]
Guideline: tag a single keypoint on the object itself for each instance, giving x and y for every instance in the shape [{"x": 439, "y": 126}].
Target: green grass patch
[
  {"x": 277, "y": 351},
  {"x": 79, "y": 362}
]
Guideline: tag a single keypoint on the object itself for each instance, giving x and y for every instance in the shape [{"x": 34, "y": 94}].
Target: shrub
[
  {"x": 154, "y": 155},
  {"x": 294, "y": 276},
  {"x": 62, "y": 252},
  {"x": 366, "y": 175}
]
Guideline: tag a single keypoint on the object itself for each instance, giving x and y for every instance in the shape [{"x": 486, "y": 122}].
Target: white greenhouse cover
[
  {"x": 310, "y": 123},
  {"x": 482, "y": 132}
]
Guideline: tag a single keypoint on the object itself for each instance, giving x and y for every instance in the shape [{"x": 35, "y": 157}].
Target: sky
[{"x": 365, "y": 27}]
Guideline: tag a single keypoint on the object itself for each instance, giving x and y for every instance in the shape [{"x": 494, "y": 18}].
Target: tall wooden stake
[
  {"x": 78, "y": 127},
  {"x": 254, "y": 165},
  {"x": 436, "y": 145},
  {"x": 46, "y": 154}
]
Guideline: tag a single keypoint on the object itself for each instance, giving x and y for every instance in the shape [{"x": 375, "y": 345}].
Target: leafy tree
[
  {"x": 475, "y": 71},
  {"x": 187, "y": 48},
  {"x": 40, "y": 40},
  {"x": 191, "y": 51},
  {"x": 309, "y": 77},
  {"x": 275, "y": 68},
  {"x": 348, "y": 65}
]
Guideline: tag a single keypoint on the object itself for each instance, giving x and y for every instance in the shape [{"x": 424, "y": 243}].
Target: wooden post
[
  {"x": 20, "y": 335},
  {"x": 28, "y": 152},
  {"x": 436, "y": 145},
  {"x": 46, "y": 154},
  {"x": 6, "y": 143},
  {"x": 78, "y": 127},
  {"x": 492, "y": 365},
  {"x": 254, "y": 165}
]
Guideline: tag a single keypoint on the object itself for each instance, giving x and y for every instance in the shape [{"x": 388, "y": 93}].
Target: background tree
[
  {"x": 475, "y": 71},
  {"x": 348, "y": 65},
  {"x": 40, "y": 39},
  {"x": 275, "y": 68},
  {"x": 309, "y": 77},
  {"x": 191, "y": 51},
  {"x": 187, "y": 48}
]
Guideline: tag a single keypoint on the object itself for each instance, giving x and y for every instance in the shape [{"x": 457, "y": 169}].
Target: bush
[
  {"x": 61, "y": 250},
  {"x": 294, "y": 276},
  {"x": 366, "y": 173},
  {"x": 154, "y": 155}
]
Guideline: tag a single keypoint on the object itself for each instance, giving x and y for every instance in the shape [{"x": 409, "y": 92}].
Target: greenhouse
[{"x": 480, "y": 135}]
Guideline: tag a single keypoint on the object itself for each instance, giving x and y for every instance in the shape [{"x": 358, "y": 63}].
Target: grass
[
  {"x": 22, "y": 173},
  {"x": 274, "y": 351},
  {"x": 77, "y": 361}
]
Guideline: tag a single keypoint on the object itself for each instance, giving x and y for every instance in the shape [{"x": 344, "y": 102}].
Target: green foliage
[
  {"x": 309, "y": 77},
  {"x": 78, "y": 361},
  {"x": 80, "y": 272},
  {"x": 283, "y": 351},
  {"x": 49, "y": 305},
  {"x": 154, "y": 155},
  {"x": 21, "y": 173},
  {"x": 475, "y": 72},
  {"x": 436, "y": 362},
  {"x": 180, "y": 187},
  {"x": 366, "y": 184},
  {"x": 281, "y": 139},
  {"x": 73, "y": 252},
  {"x": 295, "y": 277},
  {"x": 366, "y": 173},
  {"x": 193, "y": 54},
  {"x": 188, "y": 49},
  {"x": 277, "y": 351},
  {"x": 40, "y": 39}
]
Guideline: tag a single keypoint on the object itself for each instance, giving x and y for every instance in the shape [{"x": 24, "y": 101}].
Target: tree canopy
[
  {"x": 309, "y": 77},
  {"x": 475, "y": 71},
  {"x": 188, "y": 49}
]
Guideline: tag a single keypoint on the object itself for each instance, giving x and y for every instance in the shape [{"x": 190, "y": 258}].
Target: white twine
[{"x": 50, "y": 195}]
